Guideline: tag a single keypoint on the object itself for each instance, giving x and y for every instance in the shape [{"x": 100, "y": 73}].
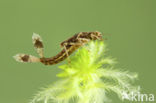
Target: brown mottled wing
[{"x": 71, "y": 39}]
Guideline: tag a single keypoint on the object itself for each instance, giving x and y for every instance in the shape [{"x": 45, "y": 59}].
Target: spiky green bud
[{"x": 87, "y": 78}]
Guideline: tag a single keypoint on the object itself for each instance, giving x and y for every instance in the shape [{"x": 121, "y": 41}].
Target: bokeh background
[{"x": 128, "y": 25}]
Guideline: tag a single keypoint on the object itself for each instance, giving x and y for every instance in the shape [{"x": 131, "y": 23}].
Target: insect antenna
[{"x": 105, "y": 35}]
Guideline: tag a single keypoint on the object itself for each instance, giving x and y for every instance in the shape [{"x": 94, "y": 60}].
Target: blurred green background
[{"x": 128, "y": 25}]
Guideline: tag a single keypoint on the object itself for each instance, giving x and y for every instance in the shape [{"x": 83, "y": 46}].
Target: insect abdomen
[{"x": 59, "y": 57}]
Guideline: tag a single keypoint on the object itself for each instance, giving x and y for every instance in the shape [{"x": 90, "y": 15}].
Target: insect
[{"x": 69, "y": 46}]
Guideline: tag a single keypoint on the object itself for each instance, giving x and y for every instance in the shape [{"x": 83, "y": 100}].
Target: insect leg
[
  {"x": 95, "y": 36},
  {"x": 83, "y": 40},
  {"x": 66, "y": 51},
  {"x": 75, "y": 44},
  {"x": 37, "y": 42}
]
